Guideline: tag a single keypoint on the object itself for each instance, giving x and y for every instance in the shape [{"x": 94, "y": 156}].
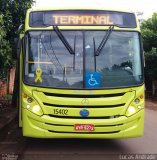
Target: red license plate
[{"x": 84, "y": 127}]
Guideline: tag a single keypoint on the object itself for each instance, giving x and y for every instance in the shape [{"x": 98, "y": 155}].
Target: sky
[{"x": 148, "y": 7}]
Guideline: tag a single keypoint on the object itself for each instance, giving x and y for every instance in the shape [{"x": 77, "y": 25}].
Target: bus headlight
[
  {"x": 36, "y": 109},
  {"x": 131, "y": 110},
  {"x": 31, "y": 105},
  {"x": 136, "y": 105}
]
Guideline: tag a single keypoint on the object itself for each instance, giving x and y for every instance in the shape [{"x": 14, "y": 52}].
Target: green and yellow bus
[{"x": 81, "y": 74}]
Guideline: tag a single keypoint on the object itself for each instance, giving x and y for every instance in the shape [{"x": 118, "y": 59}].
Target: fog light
[
  {"x": 36, "y": 108},
  {"x": 28, "y": 106},
  {"x": 139, "y": 107}
]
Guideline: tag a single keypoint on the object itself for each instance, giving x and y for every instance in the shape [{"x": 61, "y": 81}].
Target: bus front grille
[
  {"x": 80, "y": 106},
  {"x": 84, "y": 96},
  {"x": 78, "y": 117}
]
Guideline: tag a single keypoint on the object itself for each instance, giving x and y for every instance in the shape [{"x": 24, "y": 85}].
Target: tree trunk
[
  {"x": 8, "y": 80},
  {"x": 16, "y": 87}
]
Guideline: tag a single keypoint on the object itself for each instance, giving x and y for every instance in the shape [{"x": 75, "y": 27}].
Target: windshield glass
[{"x": 48, "y": 63}]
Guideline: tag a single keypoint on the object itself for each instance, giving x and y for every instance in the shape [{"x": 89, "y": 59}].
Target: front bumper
[{"x": 50, "y": 127}]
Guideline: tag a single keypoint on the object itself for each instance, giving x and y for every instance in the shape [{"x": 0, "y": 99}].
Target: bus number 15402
[{"x": 61, "y": 112}]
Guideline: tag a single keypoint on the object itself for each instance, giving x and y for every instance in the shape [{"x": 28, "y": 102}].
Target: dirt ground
[{"x": 151, "y": 103}]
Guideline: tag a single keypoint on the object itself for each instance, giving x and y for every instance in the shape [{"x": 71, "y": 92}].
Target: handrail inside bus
[{"x": 36, "y": 62}]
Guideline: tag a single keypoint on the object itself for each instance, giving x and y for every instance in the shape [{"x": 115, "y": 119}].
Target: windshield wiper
[
  {"x": 103, "y": 42},
  {"x": 63, "y": 39}
]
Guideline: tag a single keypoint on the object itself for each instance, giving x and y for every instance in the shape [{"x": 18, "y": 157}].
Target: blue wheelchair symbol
[{"x": 92, "y": 80}]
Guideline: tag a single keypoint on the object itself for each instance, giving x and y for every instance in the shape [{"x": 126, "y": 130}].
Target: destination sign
[{"x": 81, "y": 18}]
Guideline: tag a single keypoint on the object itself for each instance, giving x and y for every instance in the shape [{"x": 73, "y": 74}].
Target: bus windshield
[{"x": 48, "y": 62}]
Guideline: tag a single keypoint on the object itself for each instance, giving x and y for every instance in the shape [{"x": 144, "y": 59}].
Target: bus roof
[{"x": 78, "y": 8}]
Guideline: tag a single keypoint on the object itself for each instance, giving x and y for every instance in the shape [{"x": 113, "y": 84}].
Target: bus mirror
[{"x": 16, "y": 47}]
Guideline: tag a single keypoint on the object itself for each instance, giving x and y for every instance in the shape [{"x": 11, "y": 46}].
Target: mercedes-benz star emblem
[{"x": 85, "y": 101}]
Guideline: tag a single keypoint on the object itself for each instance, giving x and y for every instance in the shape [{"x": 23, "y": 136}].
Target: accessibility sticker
[{"x": 92, "y": 80}]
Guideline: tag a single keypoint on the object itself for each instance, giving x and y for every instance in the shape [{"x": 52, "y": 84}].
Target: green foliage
[
  {"x": 151, "y": 64},
  {"x": 149, "y": 33},
  {"x": 5, "y": 57},
  {"x": 12, "y": 14},
  {"x": 7, "y": 97}
]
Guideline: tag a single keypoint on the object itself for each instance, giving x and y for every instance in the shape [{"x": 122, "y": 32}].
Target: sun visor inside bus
[{"x": 82, "y": 18}]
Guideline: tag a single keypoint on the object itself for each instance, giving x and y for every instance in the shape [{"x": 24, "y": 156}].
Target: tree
[
  {"x": 5, "y": 58},
  {"x": 151, "y": 70},
  {"x": 149, "y": 33},
  {"x": 12, "y": 14}
]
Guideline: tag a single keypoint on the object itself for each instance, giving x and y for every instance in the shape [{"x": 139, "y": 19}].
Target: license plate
[{"x": 84, "y": 127}]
